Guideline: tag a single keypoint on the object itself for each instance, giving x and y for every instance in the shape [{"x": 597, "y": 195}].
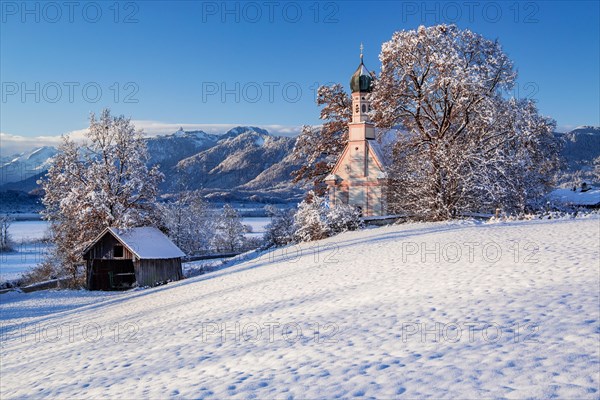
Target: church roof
[{"x": 380, "y": 152}]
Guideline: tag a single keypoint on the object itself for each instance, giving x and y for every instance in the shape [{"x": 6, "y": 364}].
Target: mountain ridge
[
  {"x": 220, "y": 165},
  {"x": 249, "y": 162}
]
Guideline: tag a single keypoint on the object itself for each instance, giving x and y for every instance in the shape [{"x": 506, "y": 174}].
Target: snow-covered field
[
  {"x": 257, "y": 225},
  {"x": 26, "y": 256},
  {"x": 567, "y": 196},
  {"x": 28, "y": 231},
  {"x": 448, "y": 310},
  {"x": 38, "y": 229},
  {"x": 29, "y": 251}
]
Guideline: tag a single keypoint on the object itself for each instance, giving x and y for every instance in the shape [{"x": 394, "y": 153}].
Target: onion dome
[{"x": 362, "y": 80}]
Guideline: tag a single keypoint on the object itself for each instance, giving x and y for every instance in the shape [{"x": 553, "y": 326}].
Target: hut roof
[{"x": 145, "y": 242}]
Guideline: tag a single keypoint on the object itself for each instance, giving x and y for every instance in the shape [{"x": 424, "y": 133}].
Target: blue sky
[{"x": 215, "y": 64}]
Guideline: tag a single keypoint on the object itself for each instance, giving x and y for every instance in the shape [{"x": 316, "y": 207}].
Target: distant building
[
  {"x": 359, "y": 177},
  {"x": 122, "y": 258}
]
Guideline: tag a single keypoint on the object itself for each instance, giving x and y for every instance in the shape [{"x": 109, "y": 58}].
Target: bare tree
[{"x": 6, "y": 243}]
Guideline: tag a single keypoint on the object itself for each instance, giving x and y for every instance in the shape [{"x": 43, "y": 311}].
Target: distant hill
[
  {"x": 245, "y": 158},
  {"x": 580, "y": 147}
]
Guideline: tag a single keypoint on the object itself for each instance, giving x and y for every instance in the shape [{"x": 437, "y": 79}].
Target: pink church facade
[{"x": 359, "y": 177}]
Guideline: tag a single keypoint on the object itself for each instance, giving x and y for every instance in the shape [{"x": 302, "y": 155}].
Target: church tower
[
  {"x": 359, "y": 175},
  {"x": 360, "y": 129},
  {"x": 361, "y": 84}
]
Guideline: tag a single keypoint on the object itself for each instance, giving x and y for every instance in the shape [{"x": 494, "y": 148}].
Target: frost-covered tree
[
  {"x": 189, "y": 222},
  {"x": 315, "y": 220},
  {"x": 6, "y": 243},
  {"x": 342, "y": 218},
  {"x": 101, "y": 183},
  {"x": 319, "y": 148},
  {"x": 229, "y": 230},
  {"x": 464, "y": 146},
  {"x": 281, "y": 229},
  {"x": 596, "y": 173},
  {"x": 310, "y": 220}
]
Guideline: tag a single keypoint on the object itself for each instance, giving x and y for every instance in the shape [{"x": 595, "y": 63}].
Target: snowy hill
[{"x": 380, "y": 313}]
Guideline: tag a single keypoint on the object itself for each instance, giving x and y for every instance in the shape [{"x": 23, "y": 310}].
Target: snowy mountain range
[
  {"x": 244, "y": 162},
  {"x": 20, "y": 167},
  {"x": 249, "y": 163}
]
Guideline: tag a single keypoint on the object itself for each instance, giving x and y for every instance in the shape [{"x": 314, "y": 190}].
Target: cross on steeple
[{"x": 361, "y": 51}]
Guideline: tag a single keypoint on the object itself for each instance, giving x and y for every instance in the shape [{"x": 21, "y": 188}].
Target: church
[{"x": 359, "y": 177}]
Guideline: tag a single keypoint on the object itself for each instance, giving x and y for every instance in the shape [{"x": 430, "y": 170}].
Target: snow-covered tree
[
  {"x": 229, "y": 231},
  {"x": 319, "y": 148},
  {"x": 315, "y": 220},
  {"x": 281, "y": 229},
  {"x": 310, "y": 220},
  {"x": 342, "y": 218},
  {"x": 464, "y": 146},
  {"x": 189, "y": 222},
  {"x": 103, "y": 182},
  {"x": 596, "y": 172},
  {"x": 6, "y": 243}
]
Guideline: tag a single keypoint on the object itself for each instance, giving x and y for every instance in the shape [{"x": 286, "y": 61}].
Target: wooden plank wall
[
  {"x": 103, "y": 249},
  {"x": 153, "y": 272}
]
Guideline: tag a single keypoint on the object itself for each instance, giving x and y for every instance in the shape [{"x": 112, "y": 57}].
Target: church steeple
[
  {"x": 361, "y": 84},
  {"x": 361, "y": 80}
]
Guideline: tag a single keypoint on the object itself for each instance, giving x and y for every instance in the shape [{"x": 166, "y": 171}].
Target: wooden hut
[{"x": 122, "y": 258}]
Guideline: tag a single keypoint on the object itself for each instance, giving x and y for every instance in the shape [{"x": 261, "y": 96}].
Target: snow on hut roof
[{"x": 147, "y": 243}]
